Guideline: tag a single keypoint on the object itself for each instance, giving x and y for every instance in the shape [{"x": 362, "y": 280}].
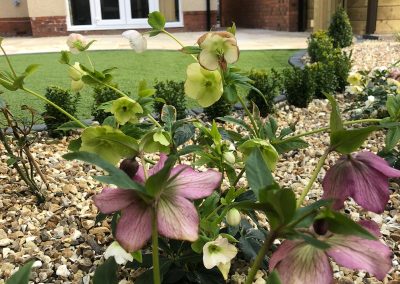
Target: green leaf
[
  {"x": 156, "y": 20},
  {"x": 70, "y": 125},
  {"x": 64, "y": 59},
  {"x": 292, "y": 144},
  {"x": 232, "y": 29},
  {"x": 314, "y": 242},
  {"x": 191, "y": 49},
  {"x": 183, "y": 134},
  {"x": 283, "y": 201},
  {"x": 106, "y": 273},
  {"x": 273, "y": 278},
  {"x": 336, "y": 123},
  {"x": 189, "y": 149},
  {"x": 258, "y": 174},
  {"x": 168, "y": 115},
  {"x": 22, "y": 275},
  {"x": 215, "y": 135},
  {"x": 75, "y": 145},
  {"x": 392, "y": 138},
  {"x": 236, "y": 121},
  {"x": 137, "y": 255},
  {"x": 116, "y": 176},
  {"x": 340, "y": 224},
  {"x": 31, "y": 69},
  {"x": 86, "y": 47},
  {"x": 109, "y": 143},
  {"x": 348, "y": 141}
]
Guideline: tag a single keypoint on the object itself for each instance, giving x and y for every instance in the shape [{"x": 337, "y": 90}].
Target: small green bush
[
  {"x": 173, "y": 93},
  {"x": 299, "y": 86},
  {"x": 342, "y": 62},
  {"x": 324, "y": 77},
  {"x": 219, "y": 109},
  {"x": 340, "y": 29},
  {"x": 102, "y": 95},
  {"x": 320, "y": 45},
  {"x": 52, "y": 117},
  {"x": 269, "y": 85}
]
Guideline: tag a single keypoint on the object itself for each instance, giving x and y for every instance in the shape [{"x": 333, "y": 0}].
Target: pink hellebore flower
[
  {"x": 362, "y": 176},
  {"x": 177, "y": 217},
  {"x": 298, "y": 262},
  {"x": 76, "y": 42}
]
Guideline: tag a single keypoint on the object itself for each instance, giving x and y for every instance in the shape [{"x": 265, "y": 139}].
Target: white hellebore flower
[
  {"x": 219, "y": 253},
  {"x": 137, "y": 41},
  {"x": 76, "y": 43},
  {"x": 369, "y": 101},
  {"x": 120, "y": 255},
  {"x": 354, "y": 90}
]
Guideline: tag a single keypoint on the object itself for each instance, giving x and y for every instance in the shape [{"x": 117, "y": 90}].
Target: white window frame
[{"x": 130, "y": 24}]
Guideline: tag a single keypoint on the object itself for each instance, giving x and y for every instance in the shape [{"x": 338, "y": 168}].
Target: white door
[
  {"x": 138, "y": 10},
  {"x": 110, "y": 12}
]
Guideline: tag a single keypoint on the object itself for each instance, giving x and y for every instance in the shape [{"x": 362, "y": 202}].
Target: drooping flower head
[
  {"x": 298, "y": 262},
  {"x": 76, "y": 43},
  {"x": 362, "y": 176},
  {"x": 217, "y": 49},
  {"x": 354, "y": 79},
  {"x": 136, "y": 40},
  {"x": 126, "y": 109},
  {"x": 177, "y": 217},
  {"x": 203, "y": 85},
  {"x": 76, "y": 73},
  {"x": 219, "y": 253}
]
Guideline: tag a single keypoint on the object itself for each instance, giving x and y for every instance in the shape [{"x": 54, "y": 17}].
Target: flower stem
[
  {"x": 55, "y": 106},
  {"x": 318, "y": 130},
  {"x": 238, "y": 177},
  {"x": 154, "y": 242},
  {"x": 155, "y": 122},
  {"x": 253, "y": 122},
  {"x": 142, "y": 159},
  {"x": 90, "y": 61},
  {"x": 177, "y": 41},
  {"x": 313, "y": 177},
  {"x": 260, "y": 257},
  {"x": 8, "y": 61}
]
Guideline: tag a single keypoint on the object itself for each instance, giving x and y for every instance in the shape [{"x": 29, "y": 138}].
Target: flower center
[
  {"x": 214, "y": 249},
  {"x": 208, "y": 83}
]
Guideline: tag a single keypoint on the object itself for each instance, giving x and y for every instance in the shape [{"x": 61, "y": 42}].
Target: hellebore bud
[
  {"x": 233, "y": 217},
  {"x": 320, "y": 227},
  {"x": 129, "y": 166}
]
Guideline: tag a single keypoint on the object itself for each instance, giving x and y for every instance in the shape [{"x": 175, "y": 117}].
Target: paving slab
[{"x": 248, "y": 39}]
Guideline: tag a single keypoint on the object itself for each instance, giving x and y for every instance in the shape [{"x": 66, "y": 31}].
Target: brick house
[
  {"x": 60, "y": 17},
  {"x": 366, "y": 16}
]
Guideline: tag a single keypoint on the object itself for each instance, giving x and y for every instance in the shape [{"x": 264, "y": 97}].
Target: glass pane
[
  {"x": 170, "y": 9},
  {"x": 109, "y": 9},
  {"x": 139, "y": 9},
  {"x": 80, "y": 12}
]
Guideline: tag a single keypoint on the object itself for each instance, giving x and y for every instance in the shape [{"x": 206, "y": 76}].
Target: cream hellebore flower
[
  {"x": 370, "y": 101},
  {"x": 137, "y": 41},
  {"x": 203, "y": 85},
  {"x": 354, "y": 90},
  {"x": 219, "y": 253},
  {"x": 354, "y": 79},
  {"x": 120, "y": 255},
  {"x": 125, "y": 109},
  {"x": 76, "y": 43},
  {"x": 75, "y": 73},
  {"x": 217, "y": 49}
]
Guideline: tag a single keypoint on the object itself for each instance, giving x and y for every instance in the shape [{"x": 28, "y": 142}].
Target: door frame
[{"x": 137, "y": 24}]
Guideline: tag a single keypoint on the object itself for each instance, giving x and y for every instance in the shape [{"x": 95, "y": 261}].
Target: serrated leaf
[
  {"x": 340, "y": 224},
  {"x": 75, "y": 145},
  {"x": 156, "y": 20},
  {"x": 348, "y": 141},
  {"x": 335, "y": 123},
  {"x": 183, "y": 134},
  {"x": 392, "y": 138},
  {"x": 116, "y": 176}
]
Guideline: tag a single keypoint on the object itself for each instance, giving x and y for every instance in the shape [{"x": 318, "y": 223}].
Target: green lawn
[{"x": 151, "y": 65}]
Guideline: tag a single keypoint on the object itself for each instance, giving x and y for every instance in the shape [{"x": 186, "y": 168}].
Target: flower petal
[
  {"x": 224, "y": 268},
  {"x": 231, "y": 53},
  {"x": 356, "y": 253},
  {"x": 157, "y": 167},
  {"x": 114, "y": 199},
  {"x": 208, "y": 59},
  {"x": 177, "y": 218},
  {"x": 118, "y": 252},
  {"x": 299, "y": 263},
  {"x": 194, "y": 185},
  {"x": 218, "y": 252},
  {"x": 377, "y": 163},
  {"x": 134, "y": 227}
]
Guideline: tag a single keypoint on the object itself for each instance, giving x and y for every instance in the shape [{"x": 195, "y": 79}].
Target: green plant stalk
[
  {"x": 90, "y": 61},
  {"x": 154, "y": 241},
  {"x": 177, "y": 41},
  {"x": 260, "y": 257},
  {"x": 253, "y": 122},
  {"x": 350, "y": 122},
  {"x": 8, "y": 61},
  {"x": 238, "y": 177},
  {"x": 55, "y": 106},
  {"x": 155, "y": 122},
  {"x": 313, "y": 177}
]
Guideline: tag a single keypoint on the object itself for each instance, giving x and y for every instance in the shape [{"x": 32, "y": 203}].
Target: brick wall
[
  {"x": 49, "y": 26},
  {"x": 15, "y": 27},
  {"x": 197, "y": 20},
  {"x": 281, "y": 15}
]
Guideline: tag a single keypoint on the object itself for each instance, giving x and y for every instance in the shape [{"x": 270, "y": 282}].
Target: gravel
[{"x": 61, "y": 234}]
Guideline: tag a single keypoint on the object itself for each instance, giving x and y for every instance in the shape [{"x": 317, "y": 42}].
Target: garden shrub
[
  {"x": 53, "y": 118},
  {"x": 340, "y": 29},
  {"x": 173, "y": 93},
  {"x": 299, "y": 86},
  {"x": 325, "y": 78},
  {"x": 341, "y": 61},
  {"x": 102, "y": 95},
  {"x": 269, "y": 85},
  {"x": 320, "y": 45},
  {"x": 219, "y": 109}
]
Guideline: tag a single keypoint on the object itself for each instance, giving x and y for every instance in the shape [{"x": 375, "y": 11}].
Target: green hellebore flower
[
  {"x": 269, "y": 153},
  {"x": 75, "y": 72},
  {"x": 218, "y": 49},
  {"x": 203, "y": 85},
  {"x": 125, "y": 109}
]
